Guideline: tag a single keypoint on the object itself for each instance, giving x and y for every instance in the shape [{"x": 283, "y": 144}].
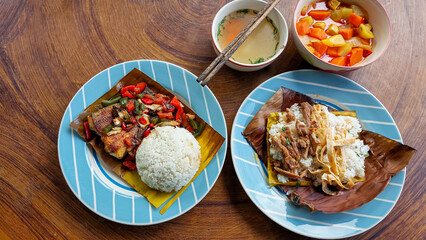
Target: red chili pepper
[
  {"x": 139, "y": 87},
  {"x": 128, "y": 141},
  {"x": 167, "y": 115},
  {"x": 130, "y": 106},
  {"x": 179, "y": 114},
  {"x": 143, "y": 121},
  {"x": 133, "y": 119},
  {"x": 87, "y": 130},
  {"x": 185, "y": 122},
  {"x": 129, "y": 164},
  {"x": 161, "y": 98},
  {"x": 146, "y": 132},
  {"x": 175, "y": 102},
  {"x": 190, "y": 129},
  {"x": 147, "y": 101},
  {"x": 127, "y": 94},
  {"x": 127, "y": 89},
  {"x": 149, "y": 96},
  {"x": 123, "y": 125},
  {"x": 151, "y": 125}
]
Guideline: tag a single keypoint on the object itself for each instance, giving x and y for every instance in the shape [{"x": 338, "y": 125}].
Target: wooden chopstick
[{"x": 212, "y": 69}]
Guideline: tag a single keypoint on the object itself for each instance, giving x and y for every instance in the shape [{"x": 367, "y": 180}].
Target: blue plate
[
  {"x": 343, "y": 94},
  {"x": 99, "y": 188}
]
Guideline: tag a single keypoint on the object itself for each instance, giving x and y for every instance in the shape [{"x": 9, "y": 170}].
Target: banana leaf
[
  {"x": 210, "y": 141},
  {"x": 386, "y": 158}
]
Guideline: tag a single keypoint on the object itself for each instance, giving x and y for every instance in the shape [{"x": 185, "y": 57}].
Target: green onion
[
  {"x": 193, "y": 124},
  {"x": 111, "y": 101},
  {"x": 200, "y": 129},
  {"x": 165, "y": 120},
  {"x": 288, "y": 142},
  {"x": 123, "y": 101},
  {"x": 155, "y": 119},
  {"x": 107, "y": 129},
  {"x": 283, "y": 128}
]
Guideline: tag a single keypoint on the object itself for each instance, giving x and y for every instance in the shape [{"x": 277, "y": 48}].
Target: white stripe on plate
[
  {"x": 124, "y": 69},
  {"x": 246, "y": 114},
  {"x": 362, "y": 215},
  {"x": 207, "y": 107},
  {"x": 267, "y": 89},
  {"x": 170, "y": 77},
  {"x": 256, "y": 101},
  {"x": 93, "y": 185},
  {"x": 377, "y": 122},
  {"x": 73, "y": 155},
  {"x": 322, "y": 85},
  {"x": 113, "y": 204},
  {"x": 195, "y": 194},
  {"x": 384, "y": 200},
  {"x": 246, "y": 161},
  {"x": 84, "y": 97},
  {"x": 234, "y": 139},
  {"x": 150, "y": 212},
  {"x": 312, "y": 221},
  {"x": 186, "y": 85},
  {"x": 237, "y": 125},
  {"x": 207, "y": 178},
  {"x": 180, "y": 209},
  {"x": 395, "y": 184},
  {"x": 133, "y": 209},
  {"x": 153, "y": 73},
  {"x": 109, "y": 79},
  {"x": 361, "y": 105},
  {"x": 263, "y": 194},
  {"x": 217, "y": 160},
  {"x": 139, "y": 65}
]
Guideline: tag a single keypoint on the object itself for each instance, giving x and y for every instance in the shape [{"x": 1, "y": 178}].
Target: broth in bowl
[{"x": 261, "y": 45}]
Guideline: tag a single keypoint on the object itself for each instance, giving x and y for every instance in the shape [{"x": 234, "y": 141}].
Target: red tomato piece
[
  {"x": 147, "y": 101},
  {"x": 128, "y": 94},
  {"x": 139, "y": 87},
  {"x": 130, "y": 165},
  {"x": 130, "y": 106},
  {"x": 166, "y": 115},
  {"x": 146, "y": 132}
]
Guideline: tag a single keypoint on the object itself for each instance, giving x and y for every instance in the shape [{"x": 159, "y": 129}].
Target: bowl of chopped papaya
[{"x": 341, "y": 35}]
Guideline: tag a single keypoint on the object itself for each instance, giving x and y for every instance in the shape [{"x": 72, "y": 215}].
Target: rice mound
[{"x": 168, "y": 158}]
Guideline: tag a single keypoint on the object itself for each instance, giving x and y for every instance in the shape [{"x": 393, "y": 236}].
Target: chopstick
[{"x": 212, "y": 69}]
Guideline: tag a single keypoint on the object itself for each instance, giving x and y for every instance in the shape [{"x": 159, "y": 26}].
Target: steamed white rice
[
  {"x": 168, "y": 158},
  {"x": 354, "y": 154}
]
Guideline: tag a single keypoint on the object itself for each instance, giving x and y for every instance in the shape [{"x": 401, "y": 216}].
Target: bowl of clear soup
[{"x": 263, "y": 45}]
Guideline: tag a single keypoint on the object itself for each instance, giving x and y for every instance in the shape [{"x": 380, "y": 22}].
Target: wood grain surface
[{"x": 49, "y": 49}]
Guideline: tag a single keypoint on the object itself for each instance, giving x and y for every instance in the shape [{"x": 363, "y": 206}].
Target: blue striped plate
[
  {"x": 343, "y": 94},
  {"x": 100, "y": 189}
]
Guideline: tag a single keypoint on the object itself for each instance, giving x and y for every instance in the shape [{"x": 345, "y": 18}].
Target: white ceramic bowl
[
  {"x": 378, "y": 19},
  {"x": 258, "y": 5}
]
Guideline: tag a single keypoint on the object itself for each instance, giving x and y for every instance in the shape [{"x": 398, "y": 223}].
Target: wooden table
[{"x": 49, "y": 49}]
